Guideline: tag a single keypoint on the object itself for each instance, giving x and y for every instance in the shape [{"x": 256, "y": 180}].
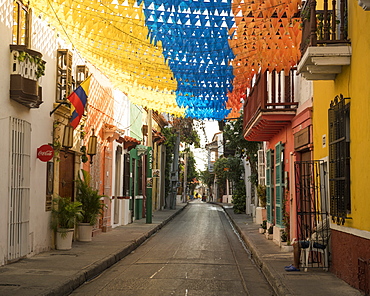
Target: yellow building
[{"x": 337, "y": 59}]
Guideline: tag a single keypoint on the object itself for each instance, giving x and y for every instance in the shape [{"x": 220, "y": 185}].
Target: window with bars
[
  {"x": 21, "y": 24},
  {"x": 270, "y": 185},
  {"x": 339, "y": 159},
  {"x": 19, "y": 194},
  {"x": 64, "y": 78},
  {"x": 261, "y": 167}
]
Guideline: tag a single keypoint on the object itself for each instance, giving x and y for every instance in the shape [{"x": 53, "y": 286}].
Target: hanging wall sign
[
  {"x": 156, "y": 173},
  {"x": 45, "y": 153}
]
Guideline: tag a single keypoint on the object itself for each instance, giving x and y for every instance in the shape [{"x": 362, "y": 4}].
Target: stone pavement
[
  {"x": 60, "y": 272},
  {"x": 271, "y": 260}
]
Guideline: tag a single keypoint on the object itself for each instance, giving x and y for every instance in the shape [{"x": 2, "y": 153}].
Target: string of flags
[{"x": 184, "y": 57}]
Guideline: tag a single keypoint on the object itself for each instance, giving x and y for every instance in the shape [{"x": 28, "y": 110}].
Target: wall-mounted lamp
[
  {"x": 92, "y": 146},
  {"x": 67, "y": 142}
]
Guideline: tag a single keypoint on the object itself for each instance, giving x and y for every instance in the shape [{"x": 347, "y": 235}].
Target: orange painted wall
[
  {"x": 286, "y": 137},
  {"x": 100, "y": 112}
]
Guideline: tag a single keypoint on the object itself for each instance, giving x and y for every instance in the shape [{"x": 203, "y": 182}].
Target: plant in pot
[
  {"x": 263, "y": 227},
  {"x": 92, "y": 205},
  {"x": 65, "y": 214}
]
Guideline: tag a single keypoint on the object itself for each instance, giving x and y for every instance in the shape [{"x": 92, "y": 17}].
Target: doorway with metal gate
[
  {"x": 313, "y": 226},
  {"x": 19, "y": 189}
]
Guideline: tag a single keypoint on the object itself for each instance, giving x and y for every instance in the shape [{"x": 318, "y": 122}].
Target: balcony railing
[
  {"x": 27, "y": 67},
  {"x": 327, "y": 26},
  {"x": 272, "y": 94}
]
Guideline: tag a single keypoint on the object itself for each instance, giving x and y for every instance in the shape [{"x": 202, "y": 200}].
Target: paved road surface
[{"x": 197, "y": 253}]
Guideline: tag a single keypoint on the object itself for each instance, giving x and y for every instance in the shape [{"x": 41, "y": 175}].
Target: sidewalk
[
  {"x": 269, "y": 257},
  {"x": 60, "y": 272}
]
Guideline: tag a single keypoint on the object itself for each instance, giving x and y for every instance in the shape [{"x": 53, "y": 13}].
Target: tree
[
  {"x": 240, "y": 147},
  {"x": 170, "y": 145},
  {"x": 192, "y": 175},
  {"x": 207, "y": 178},
  {"x": 182, "y": 127},
  {"x": 231, "y": 166},
  {"x": 231, "y": 169},
  {"x": 221, "y": 168},
  {"x": 192, "y": 171}
]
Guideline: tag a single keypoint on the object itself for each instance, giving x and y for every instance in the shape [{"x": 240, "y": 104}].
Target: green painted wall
[{"x": 136, "y": 116}]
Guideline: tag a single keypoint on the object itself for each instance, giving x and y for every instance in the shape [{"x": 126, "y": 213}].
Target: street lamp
[
  {"x": 68, "y": 137},
  {"x": 92, "y": 146},
  {"x": 67, "y": 142}
]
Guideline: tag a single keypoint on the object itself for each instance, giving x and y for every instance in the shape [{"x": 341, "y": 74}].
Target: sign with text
[{"x": 45, "y": 153}]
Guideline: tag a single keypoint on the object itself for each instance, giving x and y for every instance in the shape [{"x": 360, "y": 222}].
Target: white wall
[
  {"x": 248, "y": 190},
  {"x": 41, "y": 124},
  {"x": 303, "y": 92}
]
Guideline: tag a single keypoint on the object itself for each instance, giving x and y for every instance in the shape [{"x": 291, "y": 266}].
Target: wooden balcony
[
  {"x": 270, "y": 106},
  {"x": 26, "y": 70},
  {"x": 325, "y": 46}
]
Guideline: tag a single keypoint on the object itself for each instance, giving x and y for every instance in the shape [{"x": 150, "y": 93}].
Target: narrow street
[{"x": 197, "y": 253}]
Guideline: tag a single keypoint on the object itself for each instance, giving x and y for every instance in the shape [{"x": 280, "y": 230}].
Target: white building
[{"x": 28, "y": 97}]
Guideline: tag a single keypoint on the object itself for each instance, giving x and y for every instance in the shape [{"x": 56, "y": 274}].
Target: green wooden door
[
  {"x": 269, "y": 186},
  {"x": 279, "y": 183}
]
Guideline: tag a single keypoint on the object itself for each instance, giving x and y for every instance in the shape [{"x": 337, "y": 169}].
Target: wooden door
[{"x": 66, "y": 174}]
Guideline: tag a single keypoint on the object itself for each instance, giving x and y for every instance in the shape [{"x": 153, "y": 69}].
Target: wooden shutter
[
  {"x": 279, "y": 183},
  {"x": 261, "y": 167},
  {"x": 269, "y": 186}
]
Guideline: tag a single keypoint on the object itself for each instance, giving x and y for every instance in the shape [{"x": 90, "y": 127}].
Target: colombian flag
[{"x": 79, "y": 99}]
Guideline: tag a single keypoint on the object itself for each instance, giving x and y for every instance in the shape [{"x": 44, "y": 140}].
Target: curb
[
  {"x": 277, "y": 285},
  {"x": 72, "y": 283}
]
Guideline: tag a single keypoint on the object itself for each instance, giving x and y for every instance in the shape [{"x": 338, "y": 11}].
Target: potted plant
[
  {"x": 65, "y": 214},
  {"x": 92, "y": 205},
  {"x": 269, "y": 233},
  {"x": 263, "y": 227}
]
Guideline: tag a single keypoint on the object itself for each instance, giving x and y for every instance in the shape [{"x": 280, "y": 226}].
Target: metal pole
[
  {"x": 149, "y": 189},
  {"x": 185, "y": 172},
  {"x": 57, "y": 107},
  {"x": 174, "y": 174}
]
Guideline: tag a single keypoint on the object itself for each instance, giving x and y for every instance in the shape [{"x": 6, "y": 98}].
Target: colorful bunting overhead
[
  {"x": 266, "y": 36},
  {"x": 113, "y": 37},
  {"x": 181, "y": 56},
  {"x": 194, "y": 37}
]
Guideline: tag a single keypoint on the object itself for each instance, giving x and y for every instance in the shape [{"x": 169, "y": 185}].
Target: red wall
[{"x": 346, "y": 250}]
